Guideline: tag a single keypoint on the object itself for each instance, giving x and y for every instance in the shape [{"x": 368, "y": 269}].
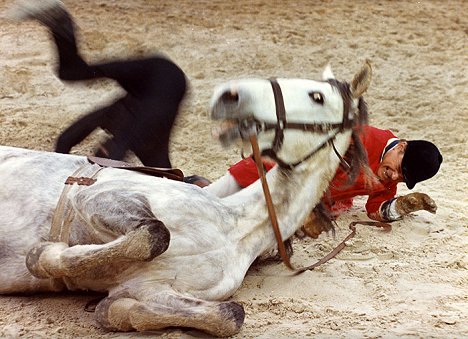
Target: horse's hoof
[
  {"x": 147, "y": 242},
  {"x": 234, "y": 314},
  {"x": 36, "y": 261},
  {"x": 112, "y": 313}
]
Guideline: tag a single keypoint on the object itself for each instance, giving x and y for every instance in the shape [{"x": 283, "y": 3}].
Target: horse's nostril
[{"x": 230, "y": 97}]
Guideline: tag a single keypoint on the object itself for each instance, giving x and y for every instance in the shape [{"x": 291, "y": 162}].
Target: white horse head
[{"x": 249, "y": 105}]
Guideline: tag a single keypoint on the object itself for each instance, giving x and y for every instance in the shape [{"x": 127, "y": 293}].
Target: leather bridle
[
  {"x": 315, "y": 127},
  {"x": 279, "y": 128}
]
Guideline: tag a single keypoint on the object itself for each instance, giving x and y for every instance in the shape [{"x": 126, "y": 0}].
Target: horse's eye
[{"x": 317, "y": 97}]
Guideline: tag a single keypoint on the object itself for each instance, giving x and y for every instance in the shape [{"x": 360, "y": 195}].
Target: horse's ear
[
  {"x": 327, "y": 73},
  {"x": 361, "y": 80}
]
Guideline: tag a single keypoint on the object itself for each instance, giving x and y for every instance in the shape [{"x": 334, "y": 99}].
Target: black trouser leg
[
  {"x": 80, "y": 129},
  {"x": 143, "y": 120},
  {"x": 71, "y": 65}
]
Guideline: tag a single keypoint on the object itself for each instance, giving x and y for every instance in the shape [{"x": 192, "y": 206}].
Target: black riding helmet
[{"x": 421, "y": 161}]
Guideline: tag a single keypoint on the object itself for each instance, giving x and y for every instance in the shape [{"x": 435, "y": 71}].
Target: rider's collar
[{"x": 391, "y": 143}]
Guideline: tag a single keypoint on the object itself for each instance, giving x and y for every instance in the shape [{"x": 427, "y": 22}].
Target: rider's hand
[{"x": 415, "y": 202}]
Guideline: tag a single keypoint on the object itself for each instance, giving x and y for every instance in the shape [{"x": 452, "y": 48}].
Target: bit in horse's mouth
[{"x": 230, "y": 130}]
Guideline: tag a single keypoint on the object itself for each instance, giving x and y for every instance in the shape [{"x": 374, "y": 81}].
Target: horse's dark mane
[{"x": 355, "y": 156}]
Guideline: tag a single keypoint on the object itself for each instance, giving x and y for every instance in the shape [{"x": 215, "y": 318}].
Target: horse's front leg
[
  {"x": 168, "y": 309},
  {"x": 56, "y": 260}
]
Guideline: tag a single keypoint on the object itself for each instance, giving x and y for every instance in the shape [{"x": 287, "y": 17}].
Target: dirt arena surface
[{"x": 410, "y": 283}]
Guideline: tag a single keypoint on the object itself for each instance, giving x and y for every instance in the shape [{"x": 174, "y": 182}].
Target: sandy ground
[{"x": 410, "y": 283}]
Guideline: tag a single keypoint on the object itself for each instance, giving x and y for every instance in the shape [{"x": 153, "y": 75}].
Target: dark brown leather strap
[
  {"x": 281, "y": 124},
  {"x": 170, "y": 173},
  {"x": 352, "y": 226},
  {"x": 280, "y": 115},
  {"x": 82, "y": 181},
  {"x": 269, "y": 202}
]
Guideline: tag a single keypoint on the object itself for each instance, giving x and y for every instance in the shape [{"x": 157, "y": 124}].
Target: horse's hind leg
[
  {"x": 124, "y": 313},
  {"x": 55, "y": 260},
  {"x": 109, "y": 214}
]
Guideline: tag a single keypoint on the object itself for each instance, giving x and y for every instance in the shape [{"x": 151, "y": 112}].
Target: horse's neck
[{"x": 294, "y": 195}]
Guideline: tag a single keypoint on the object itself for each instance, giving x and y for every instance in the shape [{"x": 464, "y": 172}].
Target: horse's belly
[{"x": 209, "y": 273}]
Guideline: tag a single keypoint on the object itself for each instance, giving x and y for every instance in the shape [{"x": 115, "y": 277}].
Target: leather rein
[{"x": 279, "y": 127}]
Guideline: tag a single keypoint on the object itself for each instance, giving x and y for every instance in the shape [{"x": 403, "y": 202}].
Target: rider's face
[{"x": 389, "y": 169}]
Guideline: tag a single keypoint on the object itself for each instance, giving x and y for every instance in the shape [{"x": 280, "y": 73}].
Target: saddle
[{"x": 169, "y": 173}]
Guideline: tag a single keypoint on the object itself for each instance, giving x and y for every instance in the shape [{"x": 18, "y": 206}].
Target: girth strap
[
  {"x": 85, "y": 176},
  {"x": 63, "y": 215}
]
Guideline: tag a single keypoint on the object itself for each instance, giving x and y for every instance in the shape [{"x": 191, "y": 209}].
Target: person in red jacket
[{"x": 391, "y": 159}]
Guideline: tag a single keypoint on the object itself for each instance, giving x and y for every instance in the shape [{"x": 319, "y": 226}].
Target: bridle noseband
[{"x": 316, "y": 127}]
